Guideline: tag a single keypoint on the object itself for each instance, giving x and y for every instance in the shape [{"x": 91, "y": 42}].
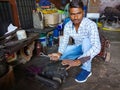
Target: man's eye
[
  {"x": 75, "y": 13},
  {"x": 72, "y": 14},
  {"x": 78, "y": 13}
]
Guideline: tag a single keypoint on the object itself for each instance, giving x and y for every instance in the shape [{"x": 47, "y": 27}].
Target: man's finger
[
  {"x": 65, "y": 63},
  {"x": 49, "y": 55}
]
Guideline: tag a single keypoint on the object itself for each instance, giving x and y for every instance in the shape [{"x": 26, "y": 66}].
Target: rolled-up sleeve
[{"x": 65, "y": 40}]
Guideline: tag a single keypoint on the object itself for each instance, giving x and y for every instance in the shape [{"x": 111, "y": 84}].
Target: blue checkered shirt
[{"x": 87, "y": 29}]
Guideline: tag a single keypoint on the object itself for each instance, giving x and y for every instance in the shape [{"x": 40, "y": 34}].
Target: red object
[{"x": 38, "y": 48}]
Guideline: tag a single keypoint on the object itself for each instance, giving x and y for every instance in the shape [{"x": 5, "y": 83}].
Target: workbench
[{"x": 13, "y": 46}]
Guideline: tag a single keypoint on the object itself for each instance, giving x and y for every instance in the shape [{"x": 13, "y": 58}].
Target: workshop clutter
[
  {"x": 18, "y": 47},
  {"x": 111, "y": 18},
  {"x": 47, "y": 40},
  {"x": 51, "y": 15},
  {"x": 46, "y": 18}
]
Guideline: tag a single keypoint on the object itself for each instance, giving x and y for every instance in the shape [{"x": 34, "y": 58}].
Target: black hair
[{"x": 76, "y": 4}]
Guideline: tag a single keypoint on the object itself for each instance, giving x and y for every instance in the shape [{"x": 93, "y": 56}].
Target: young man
[{"x": 87, "y": 42}]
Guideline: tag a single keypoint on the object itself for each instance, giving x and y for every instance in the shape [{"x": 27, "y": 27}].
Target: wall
[{"x": 111, "y": 3}]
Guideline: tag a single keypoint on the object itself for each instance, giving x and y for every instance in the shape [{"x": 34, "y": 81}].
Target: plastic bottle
[
  {"x": 55, "y": 36},
  {"x": 50, "y": 40}
]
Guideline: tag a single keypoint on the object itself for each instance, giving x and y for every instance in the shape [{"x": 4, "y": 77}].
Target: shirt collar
[{"x": 81, "y": 24}]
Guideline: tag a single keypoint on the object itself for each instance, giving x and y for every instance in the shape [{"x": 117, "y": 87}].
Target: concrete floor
[{"x": 105, "y": 75}]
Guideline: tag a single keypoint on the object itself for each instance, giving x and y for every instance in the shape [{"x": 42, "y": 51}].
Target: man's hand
[
  {"x": 71, "y": 63},
  {"x": 54, "y": 56}
]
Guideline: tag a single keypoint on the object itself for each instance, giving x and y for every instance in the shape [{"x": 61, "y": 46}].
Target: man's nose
[{"x": 75, "y": 17}]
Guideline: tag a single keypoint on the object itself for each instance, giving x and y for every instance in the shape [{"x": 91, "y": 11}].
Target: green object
[
  {"x": 60, "y": 11},
  {"x": 43, "y": 39},
  {"x": 42, "y": 35}
]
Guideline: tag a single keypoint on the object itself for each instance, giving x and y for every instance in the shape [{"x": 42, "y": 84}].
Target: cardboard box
[
  {"x": 93, "y": 6},
  {"x": 51, "y": 19}
]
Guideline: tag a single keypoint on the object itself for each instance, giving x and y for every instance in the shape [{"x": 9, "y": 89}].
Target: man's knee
[{"x": 86, "y": 45}]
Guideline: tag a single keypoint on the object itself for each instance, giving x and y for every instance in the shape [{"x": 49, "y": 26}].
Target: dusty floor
[{"x": 105, "y": 75}]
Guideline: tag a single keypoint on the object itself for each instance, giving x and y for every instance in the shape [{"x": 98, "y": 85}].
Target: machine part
[
  {"x": 35, "y": 73},
  {"x": 47, "y": 81},
  {"x": 51, "y": 74},
  {"x": 27, "y": 52},
  {"x": 110, "y": 12},
  {"x": 55, "y": 71},
  {"x": 11, "y": 57},
  {"x": 2, "y": 55},
  {"x": 12, "y": 43},
  {"x": 4, "y": 68},
  {"x": 58, "y": 79},
  {"x": 44, "y": 55}
]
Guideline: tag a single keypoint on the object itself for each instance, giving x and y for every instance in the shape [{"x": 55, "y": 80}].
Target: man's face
[{"x": 76, "y": 15}]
